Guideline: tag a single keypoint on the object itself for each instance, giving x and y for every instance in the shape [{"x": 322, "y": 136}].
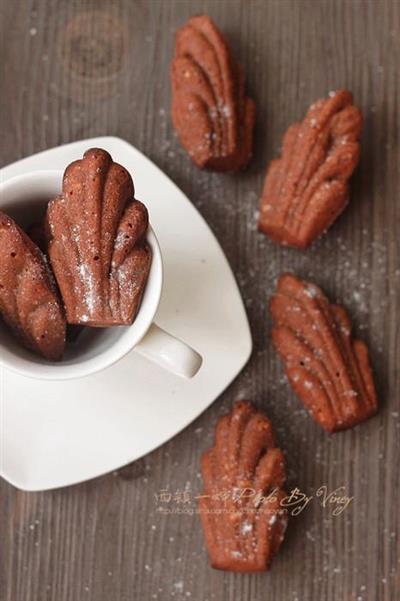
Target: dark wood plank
[{"x": 104, "y": 539}]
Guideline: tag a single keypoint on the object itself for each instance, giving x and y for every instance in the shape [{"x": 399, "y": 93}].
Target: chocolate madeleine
[
  {"x": 307, "y": 187},
  {"x": 212, "y": 115},
  {"x": 29, "y": 303},
  {"x": 327, "y": 369},
  {"x": 240, "y": 507},
  {"x": 97, "y": 246}
]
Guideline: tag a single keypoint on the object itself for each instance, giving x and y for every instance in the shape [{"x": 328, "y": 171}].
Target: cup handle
[{"x": 169, "y": 352}]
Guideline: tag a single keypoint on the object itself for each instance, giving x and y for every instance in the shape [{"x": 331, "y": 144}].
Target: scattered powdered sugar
[
  {"x": 75, "y": 233},
  {"x": 128, "y": 284},
  {"x": 178, "y": 585},
  {"x": 225, "y": 110},
  {"x": 311, "y": 291},
  {"x": 119, "y": 240},
  {"x": 246, "y": 527},
  {"x": 220, "y": 110},
  {"x": 91, "y": 297}
]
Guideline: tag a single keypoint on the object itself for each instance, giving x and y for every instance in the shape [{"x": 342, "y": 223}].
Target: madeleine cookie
[
  {"x": 327, "y": 368},
  {"x": 307, "y": 187},
  {"x": 211, "y": 113},
  {"x": 243, "y": 474},
  {"x": 29, "y": 303},
  {"x": 97, "y": 247}
]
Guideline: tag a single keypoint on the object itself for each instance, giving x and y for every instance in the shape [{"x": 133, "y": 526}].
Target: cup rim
[{"x": 57, "y": 371}]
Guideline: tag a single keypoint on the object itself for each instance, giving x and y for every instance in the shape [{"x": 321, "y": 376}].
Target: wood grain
[{"x": 75, "y": 69}]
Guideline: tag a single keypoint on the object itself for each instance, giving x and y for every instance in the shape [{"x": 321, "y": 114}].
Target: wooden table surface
[{"x": 75, "y": 69}]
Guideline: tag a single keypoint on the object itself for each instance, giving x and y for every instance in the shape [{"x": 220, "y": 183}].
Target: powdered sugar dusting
[{"x": 91, "y": 297}]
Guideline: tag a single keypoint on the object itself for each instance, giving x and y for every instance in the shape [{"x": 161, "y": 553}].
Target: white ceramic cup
[{"x": 24, "y": 198}]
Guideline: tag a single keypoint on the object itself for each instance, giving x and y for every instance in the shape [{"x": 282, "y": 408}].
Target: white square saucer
[{"x": 55, "y": 434}]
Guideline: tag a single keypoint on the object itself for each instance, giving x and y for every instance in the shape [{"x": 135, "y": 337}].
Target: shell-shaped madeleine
[
  {"x": 210, "y": 112},
  {"x": 28, "y": 298},
  {"x": 97, "y": 244},
  {"x": 240, "y": 507},
  {"x": 307, "y": 187},
  {"x": 328, "y": 370}
]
